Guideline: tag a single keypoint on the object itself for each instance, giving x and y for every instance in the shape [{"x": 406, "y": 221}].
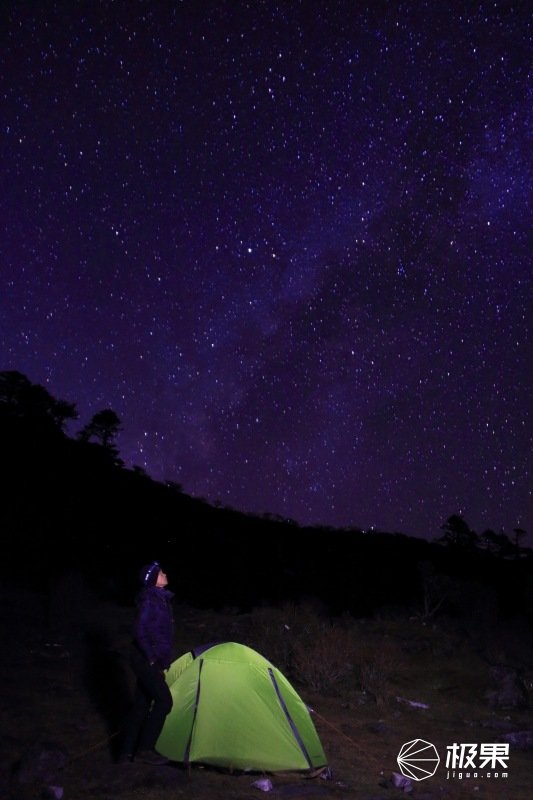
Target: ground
[{"x": 66, "y": 685}]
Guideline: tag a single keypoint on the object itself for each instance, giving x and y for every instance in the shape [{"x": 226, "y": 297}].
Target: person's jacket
[{"x": 154, "y": 625}]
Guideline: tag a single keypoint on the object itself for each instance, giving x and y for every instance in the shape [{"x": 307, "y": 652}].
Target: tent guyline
[
  {"x": 366, "y": 754},
  {"x": 236, "y": 673}
]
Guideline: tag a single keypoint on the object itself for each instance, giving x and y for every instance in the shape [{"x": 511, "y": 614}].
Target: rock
[
  {"x": 41, "y": 764},
  {"x": 401, "y": 782},
  {"x": 264, "y": 784},
  {"x": 53, "y": 793}
]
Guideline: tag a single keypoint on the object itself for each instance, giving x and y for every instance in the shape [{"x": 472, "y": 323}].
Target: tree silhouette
[
  {"x": 519, "y": 533},
  {"x": 496, "y": 543},
  {"x": 22, "y": 399},
  {"x": 104, "y": 426},
  {"x": 435, "y": 589},
  {"x": 457, "y": 533},
  {"x": 13, "y": 384},
  {"x": 61, "y": 411}
]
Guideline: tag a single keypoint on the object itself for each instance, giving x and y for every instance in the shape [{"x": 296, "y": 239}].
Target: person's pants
[{"x": 152, "y": 702}]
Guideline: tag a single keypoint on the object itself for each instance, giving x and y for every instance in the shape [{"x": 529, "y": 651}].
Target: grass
[{"x": 64, "y": 683}]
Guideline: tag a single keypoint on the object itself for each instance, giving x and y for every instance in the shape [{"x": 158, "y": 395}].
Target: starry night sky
[{"x": 287, "y": 242}]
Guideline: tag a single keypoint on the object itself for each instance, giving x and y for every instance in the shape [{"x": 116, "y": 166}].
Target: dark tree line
[
  {"x": 21, "y": 400},
  {"x": 69, "y": 503},
  {"x": 458, "y": 534}
]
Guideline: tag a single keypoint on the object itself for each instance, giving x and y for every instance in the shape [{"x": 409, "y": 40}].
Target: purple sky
[{"x": 287, "y": 242}]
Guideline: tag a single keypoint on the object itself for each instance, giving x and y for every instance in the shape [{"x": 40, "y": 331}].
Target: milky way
[{"x": 288, "y": 243}]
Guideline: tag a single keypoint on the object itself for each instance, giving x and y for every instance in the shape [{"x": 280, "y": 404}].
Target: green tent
[{"x": 233, "y": 709}]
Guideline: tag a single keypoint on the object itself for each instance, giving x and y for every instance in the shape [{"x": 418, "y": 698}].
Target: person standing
[{"x": 151, "y": 654}]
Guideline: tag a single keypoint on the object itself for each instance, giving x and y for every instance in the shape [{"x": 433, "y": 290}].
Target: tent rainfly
[{"x": 233, "y": 709}]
